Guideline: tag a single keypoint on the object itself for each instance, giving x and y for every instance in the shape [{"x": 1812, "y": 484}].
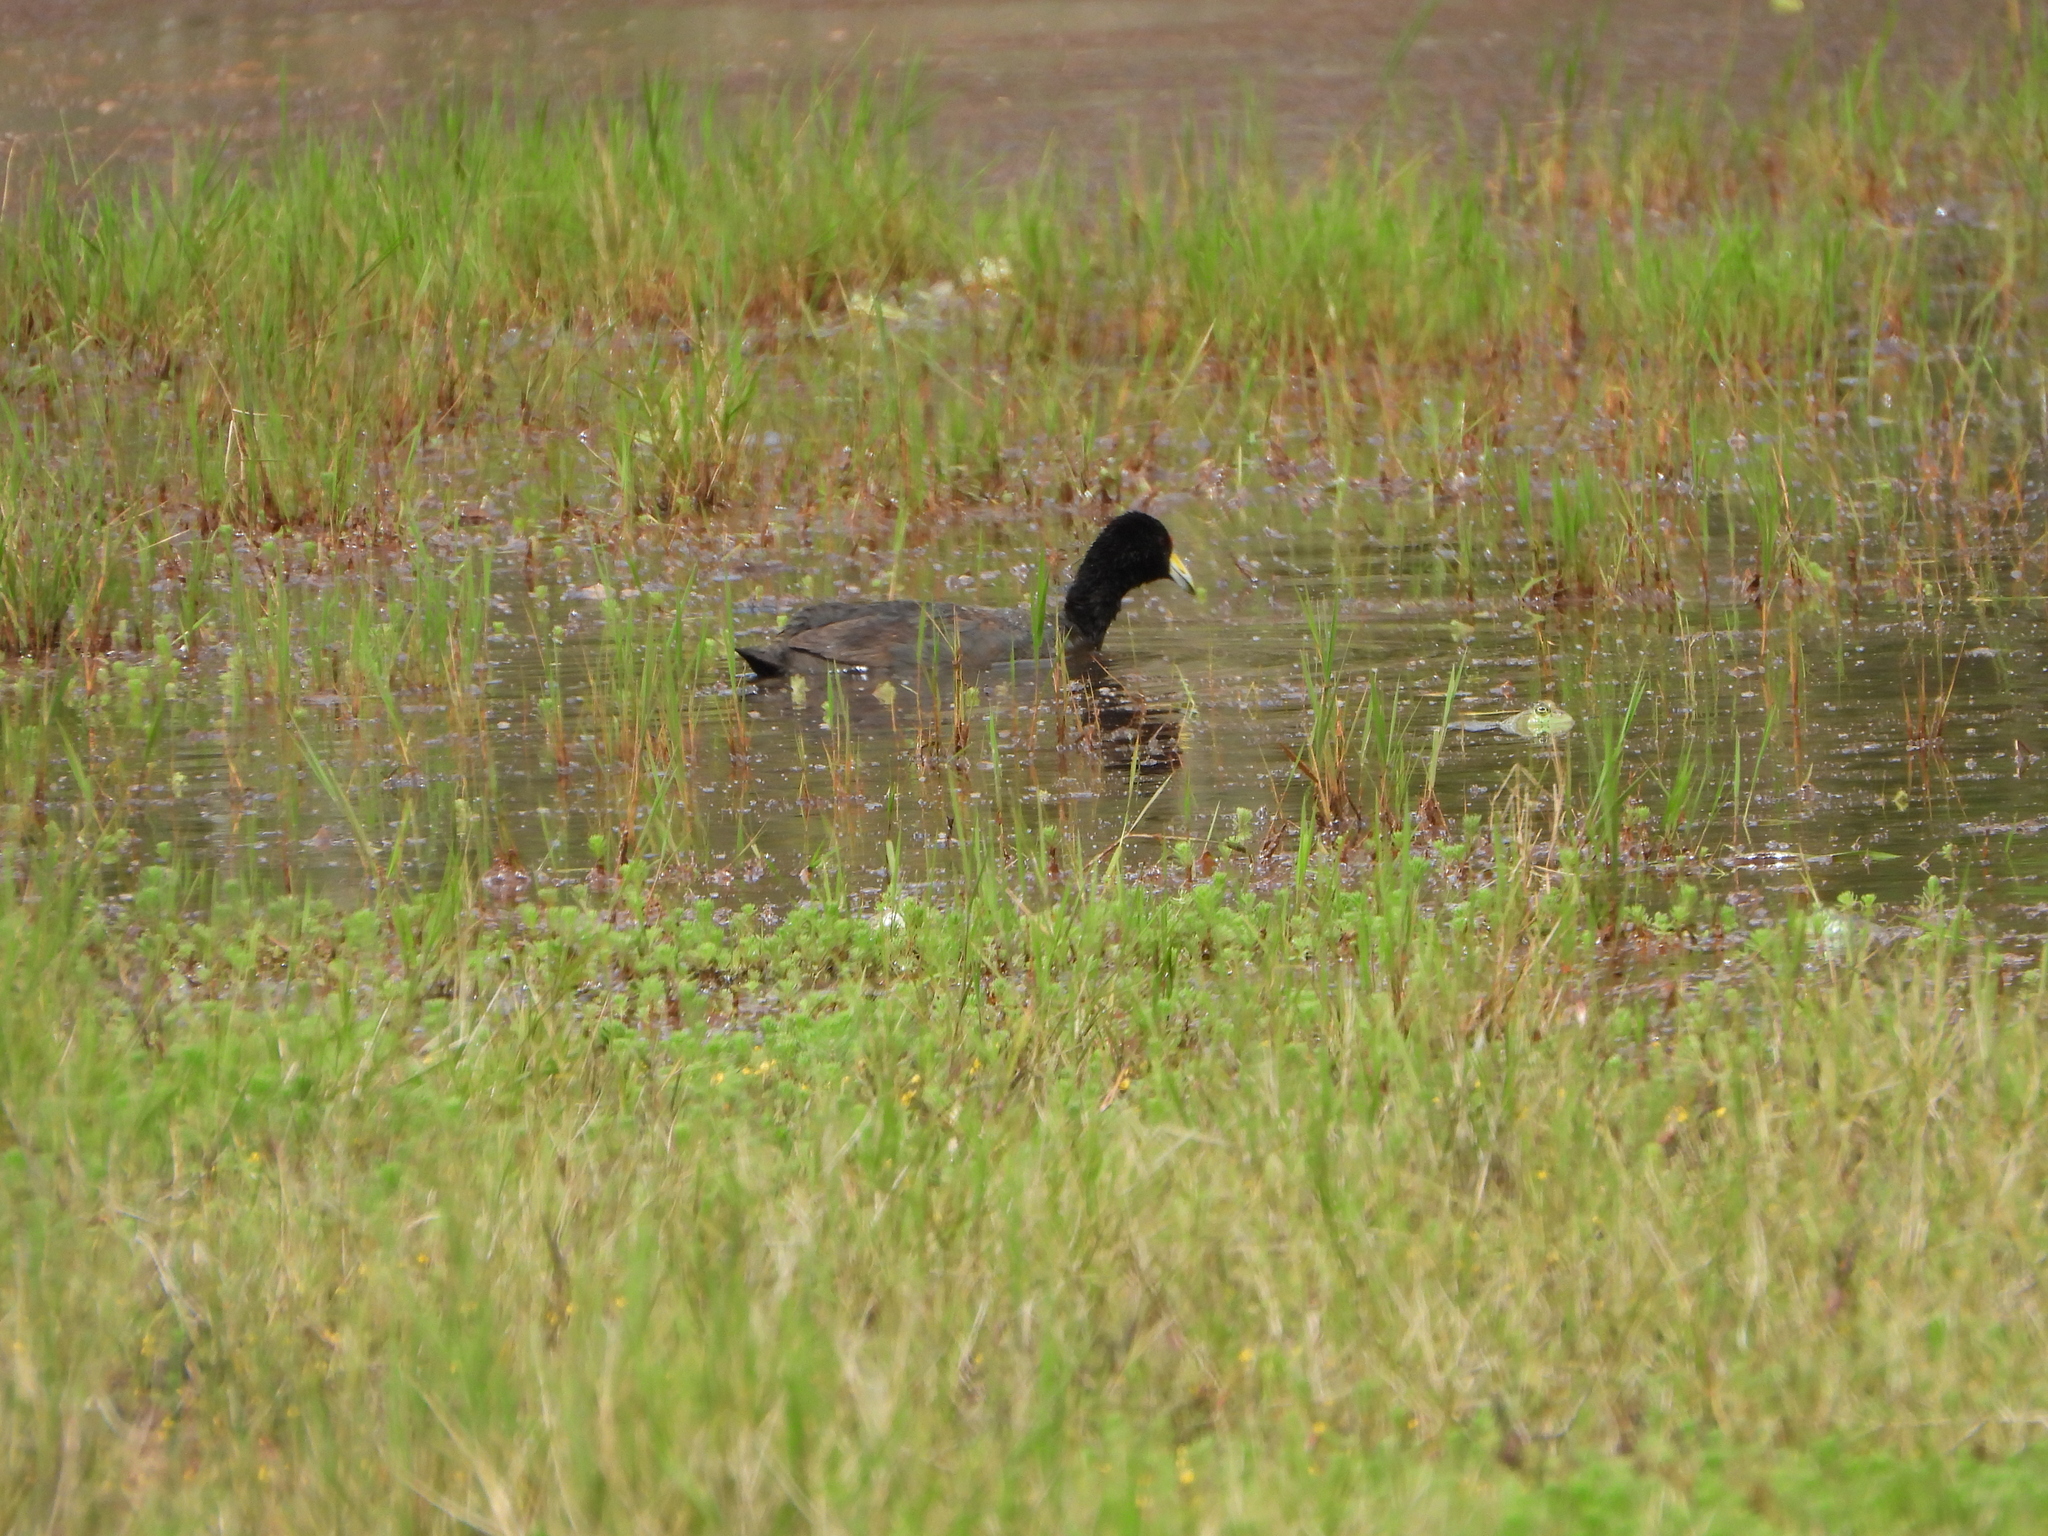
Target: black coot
[{"x": 902, "y": 636}]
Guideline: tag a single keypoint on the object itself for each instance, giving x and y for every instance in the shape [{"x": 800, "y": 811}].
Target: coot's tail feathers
[{"x": 766, "y": 660}]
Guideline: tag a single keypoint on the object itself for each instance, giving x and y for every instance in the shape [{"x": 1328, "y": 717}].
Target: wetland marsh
[{"x": 1517, "y": 1006}]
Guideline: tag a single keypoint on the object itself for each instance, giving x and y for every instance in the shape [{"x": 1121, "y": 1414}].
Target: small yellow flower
[
  {"x": 1542, "y": 1173},
  {"x": 1247, "y": 1355}
]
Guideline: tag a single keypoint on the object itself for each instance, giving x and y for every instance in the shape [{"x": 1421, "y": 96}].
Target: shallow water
[
  {"x": 117, "y": 78},
  {"x": 1797, "y": 721}
]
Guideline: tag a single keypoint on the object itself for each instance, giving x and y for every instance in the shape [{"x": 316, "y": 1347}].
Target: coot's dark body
[{"x": 1130, "y": 551}]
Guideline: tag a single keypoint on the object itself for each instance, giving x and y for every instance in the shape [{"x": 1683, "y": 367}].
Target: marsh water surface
[{"x": 115, "y": 78}]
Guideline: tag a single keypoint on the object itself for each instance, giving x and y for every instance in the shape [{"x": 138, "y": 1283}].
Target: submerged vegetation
[{"x": 473, "y": 1061}]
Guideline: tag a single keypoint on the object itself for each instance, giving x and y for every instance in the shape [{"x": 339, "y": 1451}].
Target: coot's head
[{"x": 1130, "y": 551}]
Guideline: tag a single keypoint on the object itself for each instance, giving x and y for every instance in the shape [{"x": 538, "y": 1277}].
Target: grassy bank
[{"x": 1316, "y": 1210}]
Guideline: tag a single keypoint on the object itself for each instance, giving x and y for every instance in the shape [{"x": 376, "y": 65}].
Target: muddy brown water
[
  {"x": 1798, "y": 721},
  {"x": 114, "y": 78}
]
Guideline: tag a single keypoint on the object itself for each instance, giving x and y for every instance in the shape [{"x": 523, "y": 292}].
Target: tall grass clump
[
  {"x": 688, "y": 422},
  {"x": 43, "y": 574},
  {"x": 659, "y": 209},
  {"x": 318, "y": 326},
  {"x": 320, "y": 316},
  {"x": 1351, "y": 756},
  {"x": 67, "y": 560}
]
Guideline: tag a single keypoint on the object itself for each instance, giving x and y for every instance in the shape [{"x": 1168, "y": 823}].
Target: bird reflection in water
[
  {"x": 1127, "y": 732},
  {"x": 1132, "y": 734}
]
